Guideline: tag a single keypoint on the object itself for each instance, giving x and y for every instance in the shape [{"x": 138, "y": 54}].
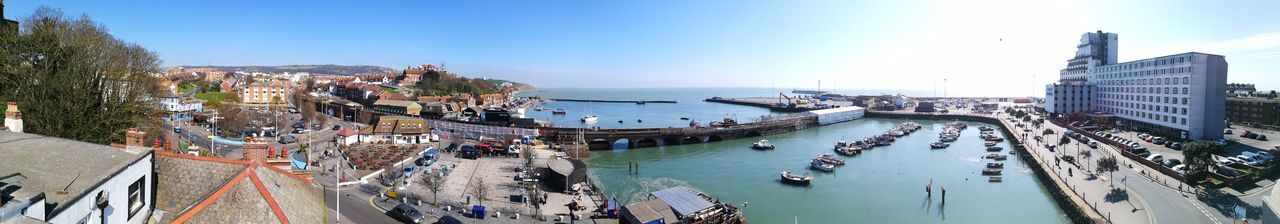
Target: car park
[{"x": 405, "y": 213}]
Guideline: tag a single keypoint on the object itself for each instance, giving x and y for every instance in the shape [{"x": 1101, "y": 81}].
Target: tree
[
  {"x": 1064, "y": 140},
  {"x": 479, "y": 189},
  {"x": 1108, "y": 165},
  {"x": 435, "y": 185},
  {"x": 1199, "y": 156},
  {"x": 75, "y": 80}
]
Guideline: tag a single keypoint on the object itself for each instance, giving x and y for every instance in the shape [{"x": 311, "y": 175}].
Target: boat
[
  {"x": 590, "y": 119},
  {"x": 947, "y": 138},
  {"x": 537, "y": 108},
  {"x": 639, "y": 121},
  {"x": 989, "y": 143},
  {"x": 849, "y": 150},
  {"x": 996, "y": 156},
  {"x": 995, "y": 165},
  {"x": 762, "y": 144},
  {"x": 994, "y": 149},
  {"x": 992, "y": 171},
  {"x": 985, "y": 128},
  {"x": 818, "y": 165},
  {"x": 619, "y": 121},
  {"x": 995, "y": 179},
  {"x": 830, "y": 159},
  {"x": 939, "y": 145},
  {"x": 558, "y": 111},
  {"x": 788, "y": 177},
  {"x": 640, "y": 102},
  {"x": 684, "y": 118}
]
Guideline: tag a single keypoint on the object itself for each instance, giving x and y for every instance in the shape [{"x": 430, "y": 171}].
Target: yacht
[
  {"x": 558, "y": 111},
  {"x": 590, "y": 119}
]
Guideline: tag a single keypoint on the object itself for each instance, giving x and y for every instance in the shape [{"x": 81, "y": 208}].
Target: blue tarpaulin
[{"x": 682, "y": 200}]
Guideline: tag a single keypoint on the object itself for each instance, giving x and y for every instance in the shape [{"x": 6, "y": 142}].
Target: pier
[
  {"x": 614, "y": 101},
  {"x": 758, "y": 102},
  {"x": 603, "y": 139}
]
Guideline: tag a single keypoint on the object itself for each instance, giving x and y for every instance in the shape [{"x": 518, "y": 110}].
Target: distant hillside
[
  {"x": 523, "y": 87},
  {"x": 313, "y": 69}
]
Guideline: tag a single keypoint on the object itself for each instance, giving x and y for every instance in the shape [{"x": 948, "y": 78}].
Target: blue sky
[{"x": 666, "y": 43}]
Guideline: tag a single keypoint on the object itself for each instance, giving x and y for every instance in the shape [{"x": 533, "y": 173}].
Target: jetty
[
  {"x": 614, "y": 101},
  {"x": 759, "y": 102}
]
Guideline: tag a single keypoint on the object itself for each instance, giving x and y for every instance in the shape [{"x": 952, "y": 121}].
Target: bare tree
[
  {"x": 435, "y": 185},
  {"x": 480, "y": 189}
]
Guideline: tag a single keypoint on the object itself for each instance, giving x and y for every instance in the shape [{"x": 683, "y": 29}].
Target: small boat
[
  {"x": 762, "y": 144},
  {"x": 995, "y": 165},
  {"x": 995, "y": 179},
  {"x": 994, "y": 149},
  {"x": 992, "y": 171},
  {"x": 818, "y": 165},
  {"x": 619, "y": 121},
  {"x": 640, "y": 102},
  {"x": 537, "y": 108},
  {"x": 985, "y": 128},
  {"x": 849, "y": 150},
  {"x": 939, "y": 145},
  {"x": 559, "y": 111},
  {"x": 947, "y": 138},
  {"x": 639, "y": 121},
  {"x": 830, "y": 159},
  {"x": 590, "y": 119},
  {"x": 684, "y": 118},
  {"x": 789, "y": 178},
  {"x": 989, "y": 143},
  {"x": 996, "y": 156}
]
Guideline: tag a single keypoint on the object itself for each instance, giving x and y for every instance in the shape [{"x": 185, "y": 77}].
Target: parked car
[
  {"x": 1093, "y": 145},
  {"x": 408, "y": 171},
  {"x": 1261, "y": 138},
  {"x": 468, "y": 152},
  {"x": 1176, "y": 146},
  {"x": 1180, "y": 168},
  {"x": 1227, "y": 171},
  {"x": 405, "y": 213},
  {"x": 1158, "y": 141},
  {"x": 1227, "y": 131},
  {"x": 1140, "y": 151},
  {"x": 1156, "y": 158},
  {"x": 1223, "y": 142},
  {"x": 1172, "y": 162},
  {"x": 335, "y": 127},
  {"x": 448, "y": 219},
  {"x": 177, "y": 130},
  {"x": 288, "y": 139}
]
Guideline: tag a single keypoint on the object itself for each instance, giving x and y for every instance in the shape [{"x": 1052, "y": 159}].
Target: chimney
[
  {"x": 133, "y": 138},
  {"x": 255, "y": 149},
  {"x": 13, "y": 117}
]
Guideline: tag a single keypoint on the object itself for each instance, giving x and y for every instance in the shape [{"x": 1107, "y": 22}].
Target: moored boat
[
  {"x": 996, "y": 156},
  {"x": 830, "y": 159},
  {"x": 762, "y": 144},
  {"x": 939, "y": 145},
  {"x": 994, "y": 149},
  {"x": 995, "y": 165},
  {"x": 788, "y": 177},
  {"x": 992, "y": 171},
  {"x": 590, "y": 119},
  {"x": 995, "y": 179},
  {"x": 989, "y": 143},
  {"x": 818, "y": 165},
  {"x": 558, "y": 111}
]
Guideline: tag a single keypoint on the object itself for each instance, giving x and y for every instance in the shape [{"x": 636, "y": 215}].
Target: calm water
[{"x": 884, "y": 185}]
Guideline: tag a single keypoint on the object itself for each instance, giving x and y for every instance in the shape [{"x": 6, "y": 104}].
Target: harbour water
[{"x": 883, "y": 185}]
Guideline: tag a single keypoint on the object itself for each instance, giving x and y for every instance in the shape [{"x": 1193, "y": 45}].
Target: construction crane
[{"x": 789, "y": 104}]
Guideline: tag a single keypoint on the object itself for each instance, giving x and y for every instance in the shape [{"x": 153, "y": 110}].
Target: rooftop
[
  {"x": 51, "y": 164},
  {"x": 214, "y": 190}
]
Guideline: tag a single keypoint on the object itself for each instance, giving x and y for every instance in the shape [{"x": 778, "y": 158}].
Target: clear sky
[{"x": 989, "y": 48}]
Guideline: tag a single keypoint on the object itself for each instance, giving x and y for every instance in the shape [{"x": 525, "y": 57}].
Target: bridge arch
[
  {"x": 714, "y": 138},
  {"x": 599, "y": 144},
  {"x": 671, "y": 141},
  {"x": 646, "y": 142},
  {"x": 622, "y": 143},
  {"x": 691, "y": 140}
]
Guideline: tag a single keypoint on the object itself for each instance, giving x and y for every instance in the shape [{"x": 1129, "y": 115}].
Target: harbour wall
[{"x": 1073, "y": 206}]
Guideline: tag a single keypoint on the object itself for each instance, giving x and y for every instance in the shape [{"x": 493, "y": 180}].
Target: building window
[
  {"x": 1184, "y": 101},
  {"x": 136, "y": 202},
  {"x": 1184, "y": 121}
]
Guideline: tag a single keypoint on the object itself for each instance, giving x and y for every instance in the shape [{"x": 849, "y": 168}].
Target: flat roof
[
  {"x": 51, "y": 164},
  {"x": 682, "y": 200}
]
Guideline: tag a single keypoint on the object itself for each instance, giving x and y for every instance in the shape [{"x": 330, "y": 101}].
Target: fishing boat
[
  {"x": 558, "y": 111},
  {"x": 985, "y": 128},
  {"x": 996, "y": 156},
  {"x": 995, "y": 165},
  {"x": 590, "y": 119},
  {"x": 948, "y": 138},
  {"x": 684, "y": 118},
  {"x": 994, "y": 149},
  {"x": 939, "y": 145},
  {"x": 830, "y": 159},
  {"x": 640, "y": 102},
  {"x": 762, "y": 144},
  {"x": 992, "y": 171},
  {"x": 989, "y": 143},
  {"x": 849, "y": 150},
  {"x": 619, "y": 121},
  {"x": 818, "y": 165},
  {"x": 537, "y": 108},
  {"x": 995, "y": 179},
  {"x": 788, "y": 177},
  {"x": 639, "y": 121}
]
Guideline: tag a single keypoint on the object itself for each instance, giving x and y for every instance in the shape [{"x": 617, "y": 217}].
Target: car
[
  {"x": 1158, "y": 141},
  {"x": 1050, "y": 147},
  {"x": 1261, "y": 137},
  {"x": 1227, "y": 171},
  {"x": 1265, "y": 154},
  {"x": 468, "y": 152},
  {"x": 448, "y": 219},
  {"x": 1172, "y": 162},
  {"x": 177, "y": 130},
  {"x": 1223, "y": 142},
  {"x": 1140, "y": 151},
  {"x": 288, "y": 139},
  {"x": 1156, "y": 158},
  {"x": 293, "y": 111},
  {"x": 1180, "y": 168},
  {"x": 1093, "y": 145},
  {"x": 1227, "y": 131},
  {"x": 408, "y": 171},
  {"x": 335, "y": 127},
  {"x": 299, "y": 131},
  {"x": 1239, "y": 159},
  {"x": 406, "y": 214},
  {"x": 1176, "y": 146}
]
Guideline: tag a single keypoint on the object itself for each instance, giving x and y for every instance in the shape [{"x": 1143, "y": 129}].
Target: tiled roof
[
  {"x": 56, "y": 164},
  {"x": 400, "y": 125},
  {"x": 213, "y": 190}
]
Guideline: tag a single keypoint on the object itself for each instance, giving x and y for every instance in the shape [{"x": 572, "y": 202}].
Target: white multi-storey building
[{"x": 1181, "y": 95}]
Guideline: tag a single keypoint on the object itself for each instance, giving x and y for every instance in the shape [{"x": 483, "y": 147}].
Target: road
[{"x": 356, "y": 209}]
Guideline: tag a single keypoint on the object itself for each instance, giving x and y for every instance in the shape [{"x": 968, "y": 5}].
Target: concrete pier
[{"x": 615, "y": 101}]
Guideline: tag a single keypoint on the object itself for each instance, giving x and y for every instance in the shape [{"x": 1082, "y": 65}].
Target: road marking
[{"x": 1203, "y": 211}]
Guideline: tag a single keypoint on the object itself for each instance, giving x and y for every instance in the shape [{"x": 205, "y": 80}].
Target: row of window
[
  {"x": 1151, "y": 90},
  {"x": 1146, "y": 81},
  {"x": 1150, "y": 116},
  {"x": 1141, "y": 98},
  {"x": 1148, "y": 63}
]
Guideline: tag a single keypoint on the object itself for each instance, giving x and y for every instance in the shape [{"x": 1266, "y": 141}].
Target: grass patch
[
  {"x": 389, "y": 89},
  {"x": 214, "y": 99},
  {"x": 187, "y": 86}
]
